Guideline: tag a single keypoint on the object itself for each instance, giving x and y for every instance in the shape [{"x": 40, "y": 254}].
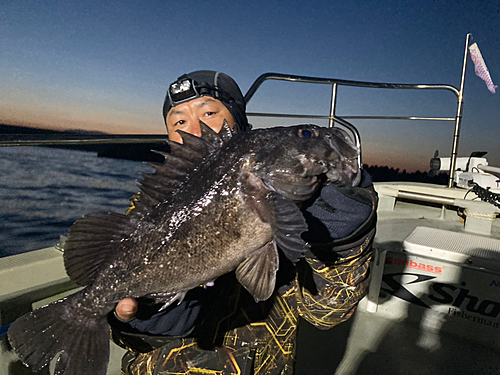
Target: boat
[{"x": 433, "y": 304}]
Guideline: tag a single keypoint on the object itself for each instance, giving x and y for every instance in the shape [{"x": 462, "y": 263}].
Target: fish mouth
[
  {"x": 335, "y": 167},
  {"x": 330, "y": 156},
  {"x": 345, "y": 168},
  {"x": 345, "y": 172}
]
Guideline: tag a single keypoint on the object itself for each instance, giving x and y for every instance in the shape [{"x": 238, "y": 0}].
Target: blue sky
[{"x": 106, "y": 65}]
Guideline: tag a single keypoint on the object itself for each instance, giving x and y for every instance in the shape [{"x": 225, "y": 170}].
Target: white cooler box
[{"x": 442, "y": 280}]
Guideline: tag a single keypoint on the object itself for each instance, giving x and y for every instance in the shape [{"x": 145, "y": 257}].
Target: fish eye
[{"x": 306, "y": 133}]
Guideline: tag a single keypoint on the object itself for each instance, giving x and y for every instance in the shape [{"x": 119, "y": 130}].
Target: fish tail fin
[{"x": 64, "y": 327}]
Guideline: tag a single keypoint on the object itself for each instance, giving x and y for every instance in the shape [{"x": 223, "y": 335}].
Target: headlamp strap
[
  {"x": 214, "y": 91},
  {"x": 185, "y": 89}
]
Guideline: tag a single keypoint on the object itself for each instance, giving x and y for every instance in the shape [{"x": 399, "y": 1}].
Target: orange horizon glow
[{"x": 54, "y": 121}]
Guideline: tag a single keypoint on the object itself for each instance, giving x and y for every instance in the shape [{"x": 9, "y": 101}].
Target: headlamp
[
  {"x": 182, "y": 90},
  {"x": 186, "y": 89}
]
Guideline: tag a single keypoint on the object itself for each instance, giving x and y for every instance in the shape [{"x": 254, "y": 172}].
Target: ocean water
[{"x": 44, "y": 190}]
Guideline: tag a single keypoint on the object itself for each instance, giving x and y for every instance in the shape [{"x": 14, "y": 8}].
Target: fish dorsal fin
[
  {"x": 257, "y": 273},
  {"x": 210, "y": 135},
  {"x": 288, "y": 225},
  {"x": 91, "y": 243},
  {"x": 226, "y": 133},
  {"x": 179, "y": 164}
]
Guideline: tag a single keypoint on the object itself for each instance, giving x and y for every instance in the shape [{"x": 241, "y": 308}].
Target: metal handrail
[
  {"x": 306, "y": 79},
  {"x": 286, "y": 115}
]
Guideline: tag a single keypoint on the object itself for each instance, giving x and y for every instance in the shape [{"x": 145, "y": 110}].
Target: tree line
[{"x": 384, "y": 174}]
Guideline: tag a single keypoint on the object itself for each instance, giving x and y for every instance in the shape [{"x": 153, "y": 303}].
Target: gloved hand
[
  {"x": 341, "y": 223},
  {"x": 339, "y": 211}
]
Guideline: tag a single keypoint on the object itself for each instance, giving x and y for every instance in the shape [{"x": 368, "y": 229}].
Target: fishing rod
[{"x": 67, "y": 139}]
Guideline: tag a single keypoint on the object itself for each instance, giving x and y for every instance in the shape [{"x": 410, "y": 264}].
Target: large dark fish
[{"x": 216, "y": 204}]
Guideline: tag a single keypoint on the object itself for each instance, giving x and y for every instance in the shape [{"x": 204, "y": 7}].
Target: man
[{"x": 220, "y": 329}]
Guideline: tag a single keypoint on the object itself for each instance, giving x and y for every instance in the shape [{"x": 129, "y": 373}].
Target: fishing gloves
[
  {"x": 335, "y": 278},
  {"x": 340, "y": 211}
]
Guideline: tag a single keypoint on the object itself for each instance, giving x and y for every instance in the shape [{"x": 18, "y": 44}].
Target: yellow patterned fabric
[
  {"x": 255, "y": 346},
  {"x": 339, "y": 287},
  {"x": 133, "y": 200}
]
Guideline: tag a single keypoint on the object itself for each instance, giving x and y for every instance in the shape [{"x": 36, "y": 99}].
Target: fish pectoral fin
[
  {"x": 257, "y": 273},
  {"x": 166, "y": 298},
  {"x": 288, "y": 225},
  {"x": 179, "y": 297}
]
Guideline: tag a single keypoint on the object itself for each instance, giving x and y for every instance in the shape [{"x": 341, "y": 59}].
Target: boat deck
[
  {"x": 402, "y": 338},
  {"x": 373, "y": 345},
  {"x": 399, "y": 337}
]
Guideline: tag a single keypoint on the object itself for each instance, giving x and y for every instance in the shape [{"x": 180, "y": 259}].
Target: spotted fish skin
[{"x": 218, "y": 203}]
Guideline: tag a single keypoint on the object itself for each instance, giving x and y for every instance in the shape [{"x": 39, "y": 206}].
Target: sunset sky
[{"x": 105, "y": 65}]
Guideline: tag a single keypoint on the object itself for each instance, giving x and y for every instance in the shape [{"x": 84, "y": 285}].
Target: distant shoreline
[
  {"x": 137, "y": 152},
  {"x": 16, "y": 129}
]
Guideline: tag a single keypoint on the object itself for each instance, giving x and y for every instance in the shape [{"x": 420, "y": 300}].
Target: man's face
[{"x": 186, "y": 117}]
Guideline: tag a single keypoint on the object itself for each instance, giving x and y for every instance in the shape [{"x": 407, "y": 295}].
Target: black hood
[{"x": 220, "y": 86}]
